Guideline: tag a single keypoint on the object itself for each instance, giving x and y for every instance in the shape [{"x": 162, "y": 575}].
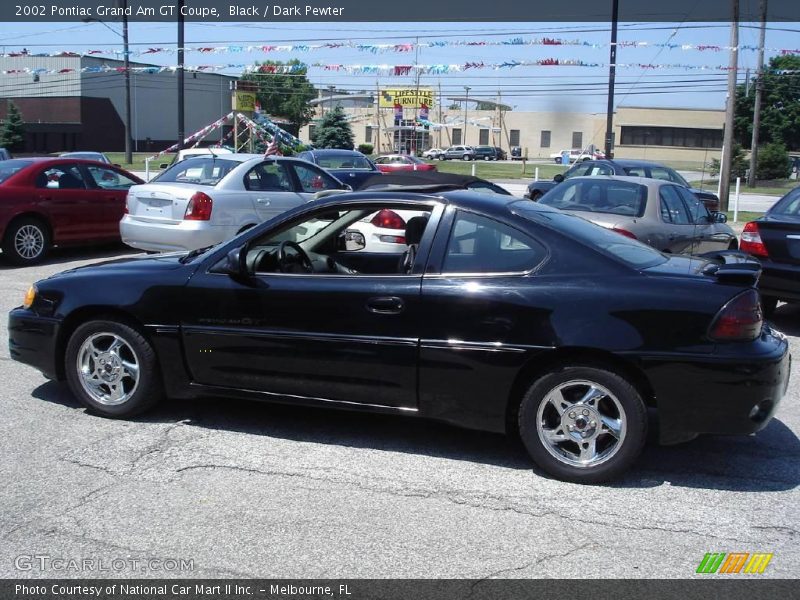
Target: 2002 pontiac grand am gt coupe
[{"x": 501, "y": 315}]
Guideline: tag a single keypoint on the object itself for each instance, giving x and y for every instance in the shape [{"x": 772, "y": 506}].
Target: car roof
[
  {"x": 241, "y": 157},
  {"x": 645, "y": 181},
  {"x": 334, "y": 151}
]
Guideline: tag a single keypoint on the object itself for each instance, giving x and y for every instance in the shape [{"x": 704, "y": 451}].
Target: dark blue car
[{"x": 348, "y": 166}]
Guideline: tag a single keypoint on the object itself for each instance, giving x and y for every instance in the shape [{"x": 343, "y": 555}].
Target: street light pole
[
  {"x": 181, "y": 115},
  {"x": 466, "y": 108},
  {"x": 612, "y": 74},
  {"x": 128, "y": 149}
]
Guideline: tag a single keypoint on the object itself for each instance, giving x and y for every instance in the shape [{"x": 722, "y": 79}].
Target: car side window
[
  {"x": 578, "y": 170},
  {"x": 600, "y": 170},
  {"x": 663, "y": 174},
  {"x": 673, "y": 209},
  {"x": 268, "y": 177},
  {"x": 698, "y": 213},
  {"x": 314, "y": 180},
  {"x": 63, "y": 177},
  {"x": 109, "y": 179},
  {"x": 481, "y": 245}
]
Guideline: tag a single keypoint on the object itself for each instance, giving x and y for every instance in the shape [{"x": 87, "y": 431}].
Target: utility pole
[
  {"x": 466, "y": 108},
  {"x": 181, "y": 115},
  {"x": 440, "y": 114},
  {"x": 612, "y": 75},
  {"x": 128, "y": 150},
  {"x": 727, "y": 141},
  {"x": 751, "y": 177}
]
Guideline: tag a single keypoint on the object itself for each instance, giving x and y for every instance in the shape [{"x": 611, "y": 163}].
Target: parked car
[
  {"x": 206, "y": 200},
  {"x": 46, "y": 202},
  {"x": 432, "y": 153},
  {"x": 390, "y": 163},
  {"x": 98, "y": 156},
  {"x": 638, "y": 168},
  {"x": 501, "y": 154},
  {"x": 486, "y": 153},
  {"x": 348, "y": 166},
  {"x": 5, "y": 154},
  {"x": 578, "y": 155},
  {"x": 659, "y": 213},
  {"x": 775, "y": 240},
  {"x": 501, "y": 315},
  {"x": 458, "y": 153}
]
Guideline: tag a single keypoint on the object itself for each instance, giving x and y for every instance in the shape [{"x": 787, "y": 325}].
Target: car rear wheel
[
  {"x": 466, "y": 157},
  {"x": 112, "y": 369},
  {"x": 768, "y": 305},
  {"x": 487, "y": 158},
  {"x": 583, "y": 423},
  {"x": 27, "y": 241}
]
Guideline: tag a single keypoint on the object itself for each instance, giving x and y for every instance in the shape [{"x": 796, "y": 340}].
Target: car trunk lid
[
  {"x": 781, "y": 236},
  {"x": 728, "y": 266},
  {"x": 159, "y": 203}
]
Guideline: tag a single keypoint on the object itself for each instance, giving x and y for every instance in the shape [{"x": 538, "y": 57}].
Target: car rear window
[
  {"x": 788, "y": 205},
  {"x": 357, "y": 163},
  {"x": 625, "y": 249},
  {"x": 9, "y": 167},
  {"x": 200, "y": 171},
  {"x": 607, "y": 196}
]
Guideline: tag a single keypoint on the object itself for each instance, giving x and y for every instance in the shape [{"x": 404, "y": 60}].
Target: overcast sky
[{"x": 525, "y": 88}]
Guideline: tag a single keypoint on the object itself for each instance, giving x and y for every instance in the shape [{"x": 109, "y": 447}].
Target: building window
[
  {"x": 456, "y": 136},
  {"x": 483, "y": 137},
  {"x": 311, "y": 129},
  {"x": 545, "y": 141},
  {"x": 368, "y": 134},
  {"x": 513, "y": 137},
  {"x": 577, "y": 139},
  {"x": 683, "y": 137}
]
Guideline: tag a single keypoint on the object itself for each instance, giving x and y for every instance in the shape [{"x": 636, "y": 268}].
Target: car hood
[{"x": 135, "y": 265}]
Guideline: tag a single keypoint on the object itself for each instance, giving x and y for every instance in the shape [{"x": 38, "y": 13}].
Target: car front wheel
[
  {"x": 26, "y": 242},
  {"x": 112, "y": 369},
  {"x": 583, "y": 423}
]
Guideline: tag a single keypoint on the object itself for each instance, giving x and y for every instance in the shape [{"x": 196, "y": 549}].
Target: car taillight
[
  {"x": 624, "y": 232},
  {"x": 199, "y": 207},
  {"x": 739, "y": 320},
  {"x": 751, "y": 241},
  {"x": 388, "y": 219}
]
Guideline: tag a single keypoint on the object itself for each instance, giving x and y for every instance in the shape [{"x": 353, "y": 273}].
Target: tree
[
  {"x": 739, "y": 163},
  {"x": 334, "y": 131},
  {"x": 780, "y": 105},
  {"x": 284, "y": 95},
  {"x": 12, "y": 136},
  {"x": 773, "y": 162}
]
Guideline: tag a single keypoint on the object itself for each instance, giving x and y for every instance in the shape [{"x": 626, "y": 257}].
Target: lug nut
[
  {"x": 585, "y": 412},
  {"x": 593, "y": 424},
  {"x": 571, "y": 428},
  {"x": 572, "y": 415}
]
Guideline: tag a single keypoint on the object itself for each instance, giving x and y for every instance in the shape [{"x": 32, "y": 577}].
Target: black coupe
[{"x": 501, "y": 315}]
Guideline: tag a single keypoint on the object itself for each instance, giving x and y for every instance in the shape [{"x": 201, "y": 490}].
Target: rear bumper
[
  {"x": 780, "y": 280},
  {"x": 736, "y": 390},
  {"x": 163, "y": 237},
  {"x": 32, "y": 340}
]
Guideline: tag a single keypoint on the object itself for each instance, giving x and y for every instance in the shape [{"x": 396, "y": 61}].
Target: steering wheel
[{"x": 299, "y": 263}]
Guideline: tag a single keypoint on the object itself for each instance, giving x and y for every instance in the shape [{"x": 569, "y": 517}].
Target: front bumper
[
  {"x": 170, "y": 237},
  {"x": 32, "y": 340},
  {"x": 736, "y": 390}
]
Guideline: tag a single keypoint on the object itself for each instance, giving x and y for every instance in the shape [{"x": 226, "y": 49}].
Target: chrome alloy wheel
[
  {"x": 29, "y": 241},
  {"x": 108, "y": 368},
  {"x": 581, "y": 423}
]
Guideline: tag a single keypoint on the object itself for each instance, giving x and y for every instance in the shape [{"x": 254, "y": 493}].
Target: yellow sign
[
  {"x": 244, "y": 101},
  {"x": 407, "y": 98}
]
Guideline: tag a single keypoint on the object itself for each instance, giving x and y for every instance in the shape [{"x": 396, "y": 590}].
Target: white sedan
[
  {"x": 433, "y": 153},
  {"x": 205, "y": 200}
]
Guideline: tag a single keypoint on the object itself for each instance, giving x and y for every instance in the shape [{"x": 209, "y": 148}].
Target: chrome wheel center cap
[
  {"x": 109, "y": 367},
  {"x": 581, "y": 422}
]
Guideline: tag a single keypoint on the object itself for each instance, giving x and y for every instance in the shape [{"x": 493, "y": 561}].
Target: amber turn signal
[{"x": 30, "y": 295}]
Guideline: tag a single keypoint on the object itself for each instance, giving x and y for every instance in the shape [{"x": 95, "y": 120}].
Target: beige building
[{"x": 667, "y": 134}]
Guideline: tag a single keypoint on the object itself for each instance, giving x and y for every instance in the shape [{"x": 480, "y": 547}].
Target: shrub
[
  {"x": 739, "y": 164},
  {"x": 366, "y": 148},
  {"x": 773, "y": 162}
]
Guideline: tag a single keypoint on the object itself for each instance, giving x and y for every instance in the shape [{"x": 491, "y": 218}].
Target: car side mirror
[
  {"x": 558, "y": 178},
  {"x": 163, "y": 165},
  {"x": 719, "y": 217},
  {"x": 235, "y": 264},
  {"x": 352, "y": 241}
]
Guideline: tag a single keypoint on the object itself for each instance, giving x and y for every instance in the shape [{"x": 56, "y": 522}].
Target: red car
[
  {"x": 392, "y": 163},
  {"x": 59, "y": 201}
]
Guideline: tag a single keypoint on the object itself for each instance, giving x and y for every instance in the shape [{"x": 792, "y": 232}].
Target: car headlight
[{"x": 30, "y": 296}]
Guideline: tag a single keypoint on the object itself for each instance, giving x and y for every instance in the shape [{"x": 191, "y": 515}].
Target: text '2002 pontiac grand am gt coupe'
[{"x": 500, "y": 315}]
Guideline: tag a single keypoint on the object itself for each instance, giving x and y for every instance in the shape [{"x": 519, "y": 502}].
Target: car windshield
[
  {"x": 9, "y": 167},
  {"x": 629, "y": 251},
  {"x": 789, "y": 205},
  {"x": 344, "y": 161},
  {"x": 599, "y": 195},
  {"x": 200, "y": 171}
]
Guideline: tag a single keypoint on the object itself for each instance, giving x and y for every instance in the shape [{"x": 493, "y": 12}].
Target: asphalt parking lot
[{"x": 250, "y": 490}]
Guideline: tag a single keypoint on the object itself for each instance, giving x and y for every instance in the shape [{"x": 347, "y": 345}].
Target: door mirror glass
[
  {"x": 718, "y": 217},
  {"x": 352, "y": 241}
]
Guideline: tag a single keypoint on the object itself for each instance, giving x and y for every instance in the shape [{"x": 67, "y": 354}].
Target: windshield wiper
[{"x": 193, "y": 253}]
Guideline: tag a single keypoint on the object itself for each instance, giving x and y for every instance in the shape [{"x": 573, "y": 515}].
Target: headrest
[{"x": 414, "y": 229}]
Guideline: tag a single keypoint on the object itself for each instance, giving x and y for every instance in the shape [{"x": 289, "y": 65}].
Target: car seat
[
  {"x": 68, "y": 181},
  {"x": 414, "y": 230}
]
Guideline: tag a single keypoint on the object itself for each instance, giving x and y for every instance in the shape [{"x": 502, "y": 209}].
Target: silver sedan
[
  {"x": 659, "y": 213},
  {"x": 205, "y": 200}
]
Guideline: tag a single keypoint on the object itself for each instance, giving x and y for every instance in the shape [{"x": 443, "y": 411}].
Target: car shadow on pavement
[
  {"x": 762, "y": 463},
  {"x": 787, "y": 319},
  {"x": 71, "y": 254}
]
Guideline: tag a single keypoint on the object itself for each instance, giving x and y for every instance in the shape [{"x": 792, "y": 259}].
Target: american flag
[{"x": 273, "y": 149}]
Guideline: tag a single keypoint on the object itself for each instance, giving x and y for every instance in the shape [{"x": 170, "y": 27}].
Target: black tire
[
  {"x": 466, "y": 157},
  {"x": 557, "y": 160},
  {"x": 143, "y": 392},
  {"x": 768, "y": 305},
  {"x": 487, "y": 158},
  {"x": 734, "y": 245},
  {"x": 616, "y": 396},
  {"x": 27, "y": 241}
]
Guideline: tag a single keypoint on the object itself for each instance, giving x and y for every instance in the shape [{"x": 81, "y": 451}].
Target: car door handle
[
  {"x": 264, "y": 201},
  {"x": 385, "y": 305}
]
